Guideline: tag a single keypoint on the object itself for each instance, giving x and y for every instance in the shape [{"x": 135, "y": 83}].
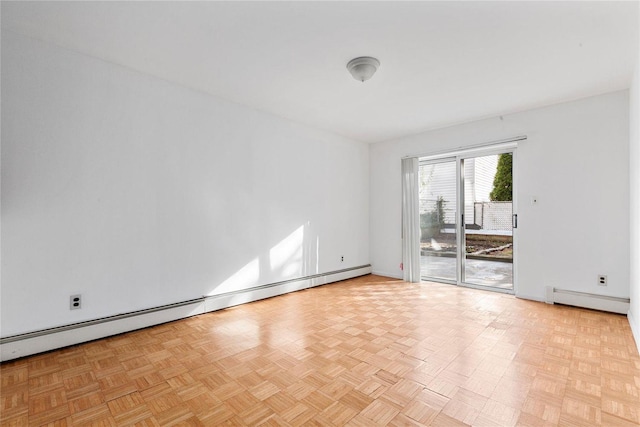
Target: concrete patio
[{"x": 496, "y": 274}]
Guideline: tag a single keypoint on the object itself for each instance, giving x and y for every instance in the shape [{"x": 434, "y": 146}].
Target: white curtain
[{"x": 410, "y": 220}]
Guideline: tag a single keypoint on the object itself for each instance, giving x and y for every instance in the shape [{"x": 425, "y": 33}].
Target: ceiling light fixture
[{"x": 363, "y": 68}]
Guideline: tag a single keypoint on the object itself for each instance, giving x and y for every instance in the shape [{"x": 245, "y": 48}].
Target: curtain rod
[{"x": 468, "y": 147}]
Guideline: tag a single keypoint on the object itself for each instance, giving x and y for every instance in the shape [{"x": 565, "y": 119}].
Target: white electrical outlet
[
  {"x": 602, "y": 280},
  {"x": 75, "y": 302}
]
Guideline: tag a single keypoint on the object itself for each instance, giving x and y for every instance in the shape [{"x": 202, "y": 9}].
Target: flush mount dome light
[{"x": 363, "y": 68}]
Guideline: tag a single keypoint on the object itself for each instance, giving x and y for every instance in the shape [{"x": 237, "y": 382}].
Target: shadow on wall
[{"x": 295, "y": 256}]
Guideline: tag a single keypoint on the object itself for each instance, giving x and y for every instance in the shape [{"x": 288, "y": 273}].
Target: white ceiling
[{"x": 441, "y": 62}]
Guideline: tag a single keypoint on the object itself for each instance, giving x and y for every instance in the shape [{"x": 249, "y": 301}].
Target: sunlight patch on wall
[
  {"x": 286, "y": 256},
  {"x": 246, "y": 277},
  {"x": 293, "y": 257}
]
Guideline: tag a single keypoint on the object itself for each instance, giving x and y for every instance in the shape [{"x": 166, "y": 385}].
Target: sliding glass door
[
  {"x": 466, "y": 220},
  {"x": 438, "y": 233}
]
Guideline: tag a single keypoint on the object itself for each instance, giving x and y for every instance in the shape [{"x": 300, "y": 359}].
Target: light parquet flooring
[{"x": 363, "y": 352}]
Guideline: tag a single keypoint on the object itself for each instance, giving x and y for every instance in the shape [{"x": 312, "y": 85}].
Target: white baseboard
[
  {"x": 50, "y": 339},
  {"x": 635, "y": 329},
  {"x": 218, "y": 302},
  {"x": 586, "y": 300},
  {"x": 76, "y": 335}
]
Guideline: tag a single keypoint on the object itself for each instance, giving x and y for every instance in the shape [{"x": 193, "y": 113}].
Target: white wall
[
  {"x": 634, "y": 201},
  {"x": 575, "y": 161},
  {"x": 136, "y": 192}
]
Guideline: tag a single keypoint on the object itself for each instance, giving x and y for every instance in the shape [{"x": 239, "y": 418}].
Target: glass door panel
[
  {"x": 488, "y": 212},
  {"x": 438, "y": 238}
]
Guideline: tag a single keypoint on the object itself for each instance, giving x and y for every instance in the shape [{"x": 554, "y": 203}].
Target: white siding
[
  {"x": 485, "y": 168},
  {"x": 438, "y": 180}
]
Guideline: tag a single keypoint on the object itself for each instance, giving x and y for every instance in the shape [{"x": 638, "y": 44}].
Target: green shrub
[{"x": 503, "y": 180}]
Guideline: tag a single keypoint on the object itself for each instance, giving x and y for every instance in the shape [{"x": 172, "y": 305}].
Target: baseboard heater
[
  {"x": 26, "y": 344},
  {"x": 586, "y": 300}
]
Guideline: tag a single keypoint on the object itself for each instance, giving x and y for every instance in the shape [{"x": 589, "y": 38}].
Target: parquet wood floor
[{"x": 364, "y": 352}]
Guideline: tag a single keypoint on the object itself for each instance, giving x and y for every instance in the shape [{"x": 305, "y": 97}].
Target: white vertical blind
[{"x": 410, "y": 220}]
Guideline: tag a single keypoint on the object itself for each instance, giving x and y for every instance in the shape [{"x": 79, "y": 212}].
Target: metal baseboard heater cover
[
  {"x": 587, "y": 300},
  {"x": 26, "y": 344}
]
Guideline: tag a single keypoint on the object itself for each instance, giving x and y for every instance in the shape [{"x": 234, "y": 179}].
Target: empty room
[{"x": 320, "y": 213}]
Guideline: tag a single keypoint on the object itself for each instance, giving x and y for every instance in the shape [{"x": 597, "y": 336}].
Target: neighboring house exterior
[{"x": 439, "y": 180}]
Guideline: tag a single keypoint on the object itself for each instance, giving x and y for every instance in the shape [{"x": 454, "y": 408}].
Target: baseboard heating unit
[
  {"x": 587, "y": 300},
  {"x": 13, "y": 347}
]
